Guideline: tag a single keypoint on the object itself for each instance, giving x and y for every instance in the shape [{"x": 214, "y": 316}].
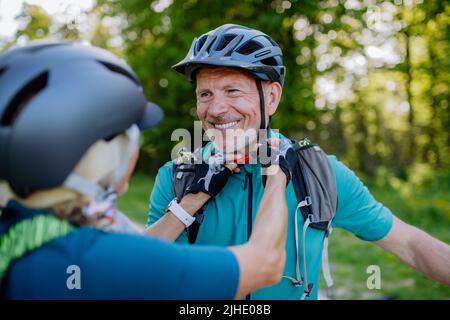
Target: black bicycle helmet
[
  {"x": 56, "y": 100},
  {"x": 235, "y": 46}
]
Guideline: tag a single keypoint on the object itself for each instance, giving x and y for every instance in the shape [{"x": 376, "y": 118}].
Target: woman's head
[
  {"x": 100, "y": 166},
  {"x": 69, "y": 119}
]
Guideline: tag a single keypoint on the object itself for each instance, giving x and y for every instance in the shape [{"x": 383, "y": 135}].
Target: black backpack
[{"x": 315, "y": 189}]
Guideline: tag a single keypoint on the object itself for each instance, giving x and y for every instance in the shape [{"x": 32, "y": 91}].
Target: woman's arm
[{"x": 261, "y": 260}]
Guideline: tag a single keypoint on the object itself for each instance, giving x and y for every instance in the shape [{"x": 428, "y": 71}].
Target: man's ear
[{"x": 272, "y": 97}]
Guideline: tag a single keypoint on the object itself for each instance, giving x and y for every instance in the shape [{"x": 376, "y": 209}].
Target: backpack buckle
[
  {"x": 306, "y": 202},
  {"x": 298, "y": 283},
  {"x": 304, "y": 142},
  {"x": 309, "y": 289}
]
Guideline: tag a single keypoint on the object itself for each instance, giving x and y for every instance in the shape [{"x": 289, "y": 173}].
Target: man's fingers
[
  {"x": 274, "y": 142},
  {"x": 232, "y": 166}
]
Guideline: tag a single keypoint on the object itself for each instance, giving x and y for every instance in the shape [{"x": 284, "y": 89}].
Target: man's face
[{"x": 228, "y": 104}]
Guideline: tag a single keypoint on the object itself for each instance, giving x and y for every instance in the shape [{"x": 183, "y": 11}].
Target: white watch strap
[{"x": 180, "y": 213}]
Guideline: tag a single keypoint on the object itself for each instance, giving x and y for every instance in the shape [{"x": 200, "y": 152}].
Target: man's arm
[
  {"x": 169, "y": 227},
  {"x": 419, "y": 250}
]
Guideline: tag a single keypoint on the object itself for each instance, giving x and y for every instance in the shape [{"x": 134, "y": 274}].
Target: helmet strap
[
  {"x": 94, "y": 190},
  {"x": 263, "y": 125},
  {"x": 101, "y": 200},
  {"x": 133, "y": 143},
  {"x": 84, "y": 186},
  {"x": 261, "y": 104}
]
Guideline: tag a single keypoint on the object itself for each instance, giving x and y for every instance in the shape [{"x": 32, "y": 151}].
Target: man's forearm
[
  {"x": 432, "y": 257},
  {"x": 169, "y": 227},
  {"x": 419, "y": 250}
]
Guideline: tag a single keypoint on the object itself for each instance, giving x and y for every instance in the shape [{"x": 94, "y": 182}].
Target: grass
[
  {"x": 135, "y": 202},
  {"x": 425, "y": 205}
]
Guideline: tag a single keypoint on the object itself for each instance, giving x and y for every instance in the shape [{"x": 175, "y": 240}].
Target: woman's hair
[{"x": 98, "y": 165}]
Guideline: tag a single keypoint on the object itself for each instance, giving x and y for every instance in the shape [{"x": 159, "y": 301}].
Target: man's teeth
[{"x": 225, "y": 125}]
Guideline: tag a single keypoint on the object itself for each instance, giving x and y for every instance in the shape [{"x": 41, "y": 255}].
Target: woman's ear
[{"x": 272, "y": 97}]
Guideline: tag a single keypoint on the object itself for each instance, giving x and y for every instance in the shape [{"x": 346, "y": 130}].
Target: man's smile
[{"x": 225, "y": 125}]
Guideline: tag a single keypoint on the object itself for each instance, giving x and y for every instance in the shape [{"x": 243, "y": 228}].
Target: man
[
  {"x": 239, "y": 75},
  {"x": 70, "y": 116}
]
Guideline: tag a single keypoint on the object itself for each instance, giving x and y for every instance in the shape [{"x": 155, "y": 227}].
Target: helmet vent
[
  {"x": 21, "y": 99},
  {"x": 115, "y": 68},
  {"x": 225, "y": 41},
  {"x": 270, "y": 62},
  {"x": 200, "y": 43},
  {"x": 211, "y": 42},
  {"x": 249, "y": 48}
]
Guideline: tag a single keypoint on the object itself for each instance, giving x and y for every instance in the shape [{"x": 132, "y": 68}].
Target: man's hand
[{"x": 210, "y": 177}]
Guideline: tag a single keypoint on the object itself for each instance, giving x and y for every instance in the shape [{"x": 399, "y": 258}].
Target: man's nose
[{"x": 217, "y": 107}]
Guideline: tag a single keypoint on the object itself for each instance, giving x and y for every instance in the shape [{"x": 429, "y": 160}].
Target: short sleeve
[{"x": 358, "y": 211}]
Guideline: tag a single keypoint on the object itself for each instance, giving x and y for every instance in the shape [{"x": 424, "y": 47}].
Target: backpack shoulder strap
[
  {"x": 314, "y": 184},
  {"x": 315, "y": 189},
  {"x": 183, "y": 175}
]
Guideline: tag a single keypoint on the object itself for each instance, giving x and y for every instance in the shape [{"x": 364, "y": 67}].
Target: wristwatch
[{"x": 180, "y": 213}]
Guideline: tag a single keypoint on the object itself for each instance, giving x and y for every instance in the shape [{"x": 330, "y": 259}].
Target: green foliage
[
  {"x": 373, "y": 112},
  {"x": 38, "y": 22}
]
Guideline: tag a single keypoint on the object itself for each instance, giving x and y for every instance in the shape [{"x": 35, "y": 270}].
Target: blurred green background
[{"x": 367, "y": 80}]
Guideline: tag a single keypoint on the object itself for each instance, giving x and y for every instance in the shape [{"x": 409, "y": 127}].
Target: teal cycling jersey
[{"x": 227, "y": 218}]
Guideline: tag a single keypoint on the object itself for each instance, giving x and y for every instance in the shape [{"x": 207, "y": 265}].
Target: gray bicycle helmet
[
  {"x": 58, "y": 99},
  {"x": 236, "y": 46}
]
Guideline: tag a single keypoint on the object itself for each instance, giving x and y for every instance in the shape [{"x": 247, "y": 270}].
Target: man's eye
[
  {"x": 204, "y": 94},
  {"x": 233, "y": 91}
]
